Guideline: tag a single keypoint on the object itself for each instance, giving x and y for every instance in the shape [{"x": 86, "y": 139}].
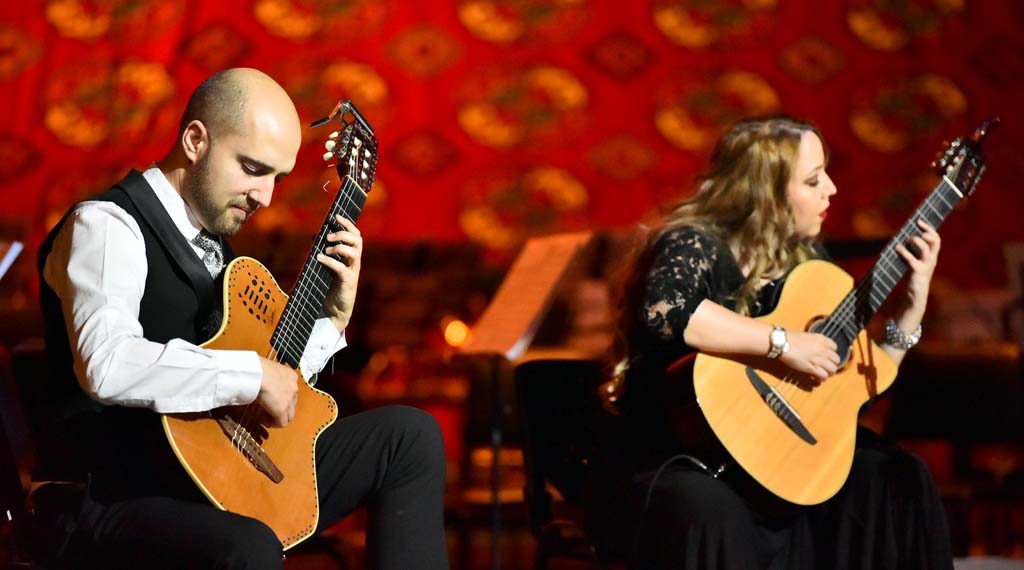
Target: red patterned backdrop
[{"x": 505, "y": 118}]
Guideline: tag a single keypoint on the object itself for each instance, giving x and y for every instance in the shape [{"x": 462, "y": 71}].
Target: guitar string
[
  {"x": 238, "y": 439},
  {"x": 314, "y": 278},
  {"x": 885, "y": 264},
  {"x": 888, "y": 263},
  {"x": 841, "y": 320},
  {"x": 291, "y": 333},
  {"x": 289, "y": 324},
  {"x": 300, "y": 321},
  {"x": 292, "y": 319}
]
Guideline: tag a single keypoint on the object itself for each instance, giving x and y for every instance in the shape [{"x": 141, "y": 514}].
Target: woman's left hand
[{"x": 922, "y": 265}]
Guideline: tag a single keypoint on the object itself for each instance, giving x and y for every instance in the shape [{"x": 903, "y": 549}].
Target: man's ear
[{"x": 195, "y": 140}]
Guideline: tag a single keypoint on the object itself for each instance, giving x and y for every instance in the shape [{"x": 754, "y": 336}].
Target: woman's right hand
[{"x": 811, "y": 353}]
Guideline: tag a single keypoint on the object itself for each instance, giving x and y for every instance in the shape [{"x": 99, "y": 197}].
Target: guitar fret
[
  {"x": 938, "y": 215},
  {"x": 871, "y": 292},
  {"x": 315, "y": 280},
  {"x": 304, "y": 319},
  {"x": 884, "y": 273},
  {"x": 949, "y": 206}
]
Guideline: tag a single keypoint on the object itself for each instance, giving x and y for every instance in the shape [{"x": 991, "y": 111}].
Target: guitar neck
[
  {"x": 861, "y": 304},
  {"x": 307, "y": 296}
]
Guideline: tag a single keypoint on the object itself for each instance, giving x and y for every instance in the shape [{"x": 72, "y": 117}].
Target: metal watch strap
[{"x": 778, "y": 342}]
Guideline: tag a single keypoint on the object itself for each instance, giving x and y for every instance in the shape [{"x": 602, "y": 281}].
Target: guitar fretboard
[
  {"x": 307, "y": 296},
  {"x": 857, "y": 308}
]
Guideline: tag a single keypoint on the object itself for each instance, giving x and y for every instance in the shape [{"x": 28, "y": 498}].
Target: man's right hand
[{"x": 279, "y": 391}]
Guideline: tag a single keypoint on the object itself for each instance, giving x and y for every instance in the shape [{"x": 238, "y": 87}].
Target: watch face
[{"x": 778, "y": 337}]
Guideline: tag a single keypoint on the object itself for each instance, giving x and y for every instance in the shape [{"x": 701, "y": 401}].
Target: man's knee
[
  {"x": 420, "y": 437},
  {"x": 251, "y": 545}
]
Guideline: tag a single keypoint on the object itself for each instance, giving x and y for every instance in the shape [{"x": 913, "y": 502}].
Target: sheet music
[
  {"x": 510, "y": 321},
  {"x": 8, "y": 253}
]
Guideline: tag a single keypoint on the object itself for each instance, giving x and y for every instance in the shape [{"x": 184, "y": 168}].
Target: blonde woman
[{"x": 712, "y": 264}]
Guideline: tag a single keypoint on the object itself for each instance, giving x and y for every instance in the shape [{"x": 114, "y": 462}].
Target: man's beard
[{"x": 217, "y": 219}]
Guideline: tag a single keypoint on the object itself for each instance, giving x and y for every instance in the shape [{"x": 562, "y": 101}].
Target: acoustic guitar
[
  {"x": 239, "y": 463},
  {"x": 791, "y": 433}
]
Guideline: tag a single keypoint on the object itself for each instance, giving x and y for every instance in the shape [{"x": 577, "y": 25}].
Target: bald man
[{"x": 130, "y": 283}]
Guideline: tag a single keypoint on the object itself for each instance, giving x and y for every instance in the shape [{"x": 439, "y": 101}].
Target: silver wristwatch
[{"x": 778, "y": 342}]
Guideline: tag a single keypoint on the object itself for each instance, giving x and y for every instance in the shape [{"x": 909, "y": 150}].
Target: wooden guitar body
[
  {"x": 742, "y": 414},
  {"x": 791, "y": 433},
  {"x": 242, "y": 466}
]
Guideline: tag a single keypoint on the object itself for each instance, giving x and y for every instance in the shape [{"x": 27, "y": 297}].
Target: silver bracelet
[{"x": 896, "y": 338}]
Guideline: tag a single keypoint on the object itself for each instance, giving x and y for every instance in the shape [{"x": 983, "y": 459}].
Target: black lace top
[{"x": 689, "y": 265}]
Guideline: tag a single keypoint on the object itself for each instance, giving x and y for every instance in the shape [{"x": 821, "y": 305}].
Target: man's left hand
[{"x": 343, "y": 257}]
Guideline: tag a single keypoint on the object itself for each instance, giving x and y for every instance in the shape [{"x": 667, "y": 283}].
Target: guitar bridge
[
  {"x": 780, "y": 407},
  {"x": 246, "y": 444}
]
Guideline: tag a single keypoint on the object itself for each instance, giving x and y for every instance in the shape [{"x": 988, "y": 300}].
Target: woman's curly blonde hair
[{"x": 741, "y": 198}]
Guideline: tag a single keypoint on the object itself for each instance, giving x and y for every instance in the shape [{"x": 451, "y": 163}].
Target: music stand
[{"x": 507, "y": 327}]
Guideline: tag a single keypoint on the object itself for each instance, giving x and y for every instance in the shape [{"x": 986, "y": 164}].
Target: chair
[
  {"x": 15, "y": 463},
  {"x": 21, "y": 393},
  {"x": 557, "y": 401},
  {"x": 977, "y": 459}
]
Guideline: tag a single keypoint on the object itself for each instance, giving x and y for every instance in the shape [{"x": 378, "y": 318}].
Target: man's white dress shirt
[{"x": 98, "y": 268}]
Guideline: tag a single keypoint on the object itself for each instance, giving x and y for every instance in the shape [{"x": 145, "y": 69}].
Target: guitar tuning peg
[
  {"x": 334, "y": 135},
  {"x": 329, "y": 145},
  {"x": 328, "y": 156}
]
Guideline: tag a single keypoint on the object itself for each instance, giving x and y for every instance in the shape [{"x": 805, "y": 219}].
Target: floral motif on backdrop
[{"x": 501, "y": 119}]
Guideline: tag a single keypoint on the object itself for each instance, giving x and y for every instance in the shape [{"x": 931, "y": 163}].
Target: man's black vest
[{"x": 124, "y": 447}]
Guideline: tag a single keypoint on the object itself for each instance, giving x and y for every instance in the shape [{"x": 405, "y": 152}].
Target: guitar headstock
[
  {"x": 353, "y": 146},
  {"x": 963, "y": 162}
]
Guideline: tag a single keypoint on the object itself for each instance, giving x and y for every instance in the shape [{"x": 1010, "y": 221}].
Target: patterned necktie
[{"x": 213, "y": 256}]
